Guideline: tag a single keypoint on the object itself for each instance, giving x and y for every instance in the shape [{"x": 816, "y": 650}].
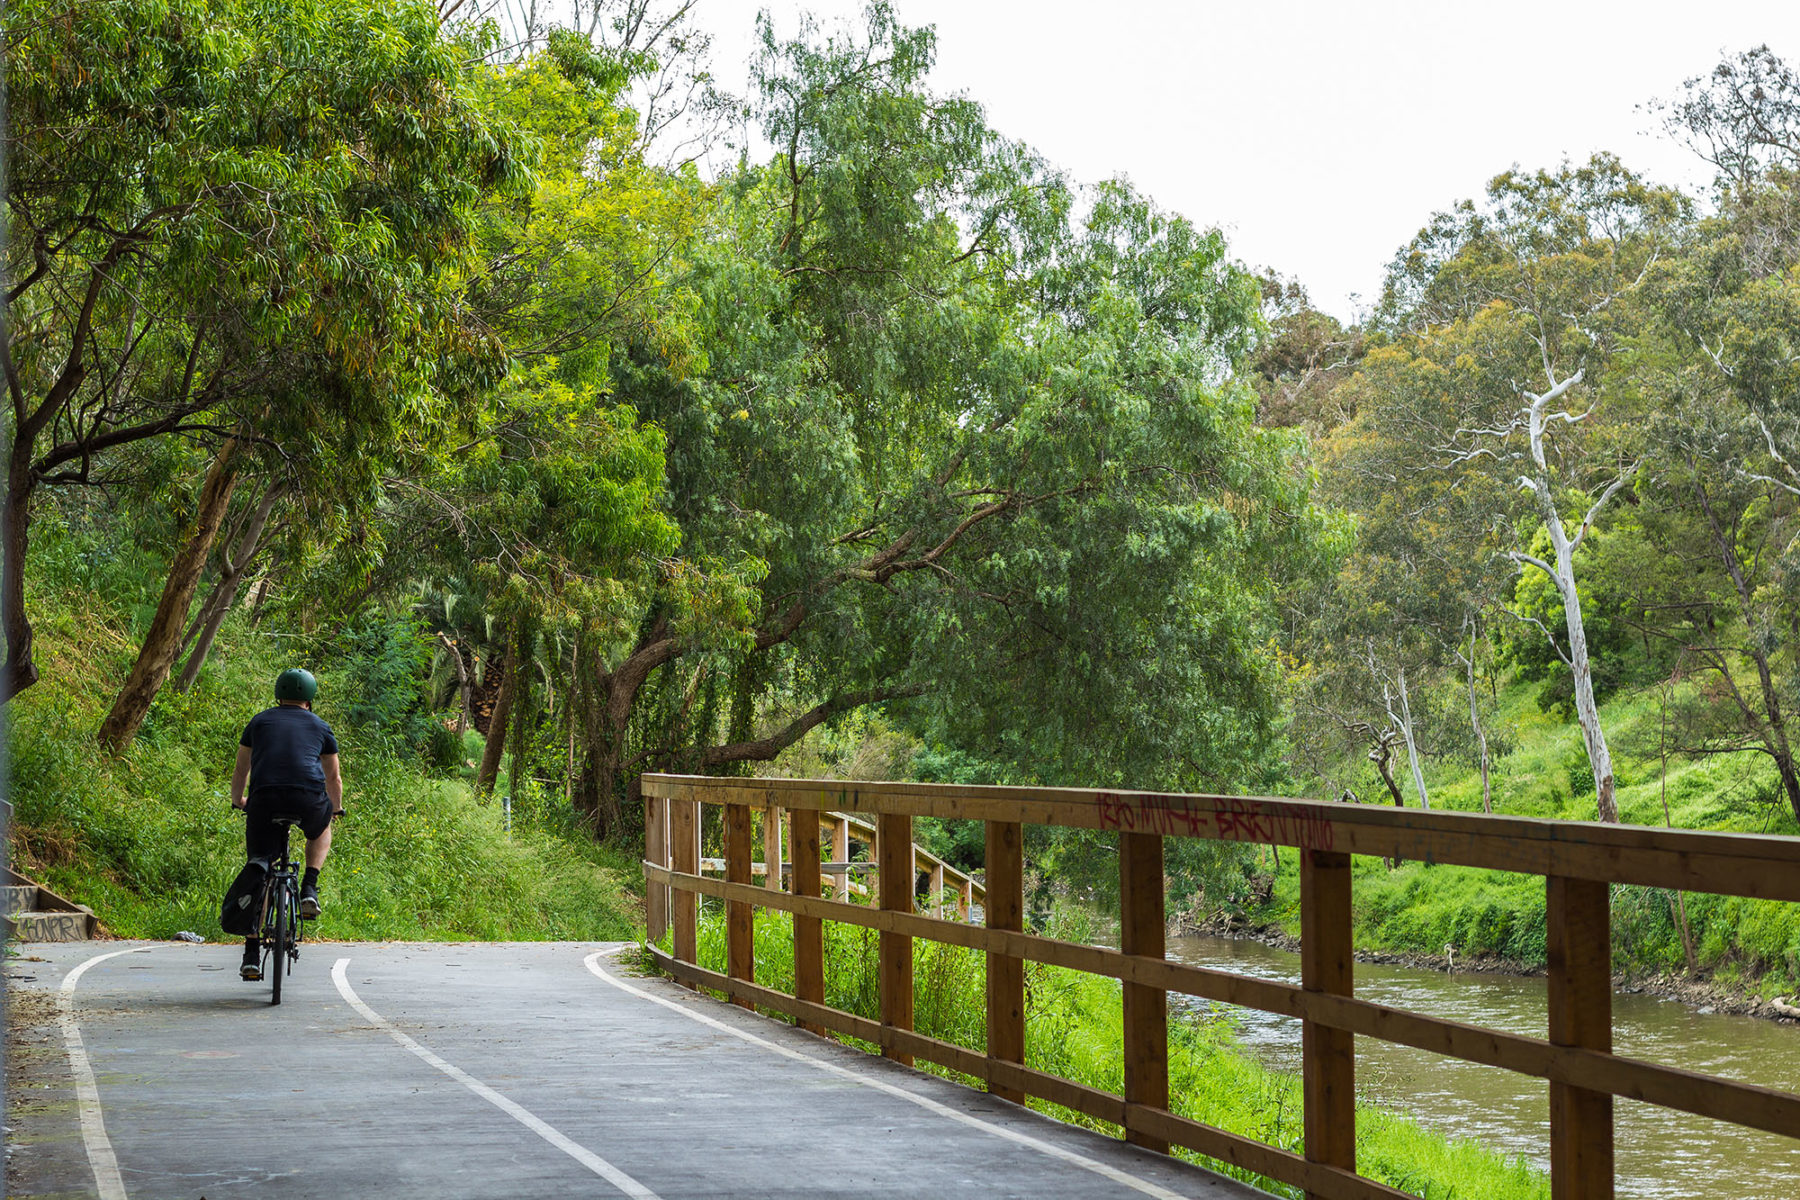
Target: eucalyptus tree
[
  {"x": 540, "y": 510},
  {"x": 661, "y": 51},
  {"x": 1545, "y": 274},
  {"x": 951, "y": 448},
  {"x": 1378, "y": 644},
  {"x": 1721, "y": 503},
  {"x": 1298, "y": 367},
  {"x": 230, "y": 221},
  {"x": 1743, "y": 117}
]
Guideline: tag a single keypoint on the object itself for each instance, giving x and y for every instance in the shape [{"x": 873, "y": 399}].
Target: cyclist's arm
[
  {"x": 240, "y": 775},
  {"x": 334, "y": 782}
]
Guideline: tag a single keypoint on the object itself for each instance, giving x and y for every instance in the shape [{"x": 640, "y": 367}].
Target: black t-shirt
[{"x": 285, "y": 744}]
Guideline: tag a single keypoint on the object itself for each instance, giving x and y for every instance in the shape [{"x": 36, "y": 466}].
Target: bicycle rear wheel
[{"x": 278, "y": 951}]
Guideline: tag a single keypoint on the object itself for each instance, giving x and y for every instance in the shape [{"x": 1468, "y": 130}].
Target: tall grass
[{"x": 1075, "y": 1028}]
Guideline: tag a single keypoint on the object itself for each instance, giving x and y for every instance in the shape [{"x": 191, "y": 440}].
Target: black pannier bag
[{"x": 237, "y": 916}]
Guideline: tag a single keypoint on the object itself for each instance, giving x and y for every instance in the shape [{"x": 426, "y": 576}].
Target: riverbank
[
  {"x": 1727, "y": 953},
  {"x": 1661, "y": 1154},
  {"x": 1704, "y": 995}
]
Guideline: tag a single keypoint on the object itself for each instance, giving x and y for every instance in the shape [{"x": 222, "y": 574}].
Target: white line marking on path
[
  {"x": 517, "y": 1112},
  {"x": 1012, "y": 1135},
  {"x": 107, "y": 1181}
]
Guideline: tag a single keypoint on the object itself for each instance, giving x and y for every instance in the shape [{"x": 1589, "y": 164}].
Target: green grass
[
  {"x": 1074, "y": 1028},
  {"x": 149, "y": 841}
]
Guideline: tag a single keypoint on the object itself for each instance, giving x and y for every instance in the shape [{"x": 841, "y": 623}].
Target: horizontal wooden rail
[
  {"x": 854, "y": 867},
  {"x": 1764, "y": 866},
  {"x": 1576, "y": 858},
  {"x": 945, "y": 879}
]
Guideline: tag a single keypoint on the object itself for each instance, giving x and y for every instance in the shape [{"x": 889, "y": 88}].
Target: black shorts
[{"x": 263, "y": 838}]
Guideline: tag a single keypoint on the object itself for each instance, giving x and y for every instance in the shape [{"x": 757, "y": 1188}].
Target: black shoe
[
  {"x": 251, "y": 971},
  {"x": 309, "y": 904}
]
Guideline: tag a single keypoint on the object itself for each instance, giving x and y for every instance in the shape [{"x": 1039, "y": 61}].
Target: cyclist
[{"x": 290, "y": 759}]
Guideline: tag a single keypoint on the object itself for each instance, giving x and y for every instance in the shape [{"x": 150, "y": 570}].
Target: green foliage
[
  {"x": 331, "y": 154},
  {"x": 413, "y": 860},
  {"x": 1427, "y": 908},
  {"x": 1604, "y": 607},
  {"x": 962, "y": 844},
  {"x": 949, "y": 444},
  {"x": 379, "y": 670}
]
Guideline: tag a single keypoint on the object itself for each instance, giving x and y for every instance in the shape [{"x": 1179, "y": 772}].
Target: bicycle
[{"x": 278, "y": 924}]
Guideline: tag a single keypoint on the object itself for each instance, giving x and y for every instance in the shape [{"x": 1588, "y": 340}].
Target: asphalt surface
[{"x": 490, "y": 1070}]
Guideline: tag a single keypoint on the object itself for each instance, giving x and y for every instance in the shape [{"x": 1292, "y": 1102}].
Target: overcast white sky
[{"x": 1319, "y": 136}]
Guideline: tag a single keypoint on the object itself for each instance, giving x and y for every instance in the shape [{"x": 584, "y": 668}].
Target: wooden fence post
[
  {"x": 1328, "y": 1056},
  {"x": 809, "y": 932},
  {"x": 840, "y": 852},
  {"x": 740, "y": 915},
  {"x": 656, "y": 850},
  {"x": 937, "y": 890},
  {"x": 894, "y": 859},
  {"x": 1005, "y": 974},
  {"x": 684, "y": 837},
  {"x": 874, "y": 876},
  {"x": 1142, "y": 927},
  {"x": 1579, "y": 944},
  {"x": 772, "y": 848}
]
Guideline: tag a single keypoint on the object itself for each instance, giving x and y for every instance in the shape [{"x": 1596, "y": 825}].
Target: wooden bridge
[
  {"x": 945, "y": 886},
  {"x": 1578, "y": 860}
]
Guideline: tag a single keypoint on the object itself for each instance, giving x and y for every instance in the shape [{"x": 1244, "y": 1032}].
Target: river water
[{"x": 1660, "y": 1153}]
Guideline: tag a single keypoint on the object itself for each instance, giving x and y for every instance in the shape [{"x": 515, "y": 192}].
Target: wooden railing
[
  {"x": 1578, "y": 860},
  {"x": 945, "y": 885}
]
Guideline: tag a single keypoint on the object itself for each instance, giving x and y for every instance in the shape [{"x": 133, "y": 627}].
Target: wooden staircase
[{"x": 34, "y": 913}]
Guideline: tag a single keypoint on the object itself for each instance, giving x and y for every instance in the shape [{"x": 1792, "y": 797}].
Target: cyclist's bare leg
[{"x": 317, "y": 849}]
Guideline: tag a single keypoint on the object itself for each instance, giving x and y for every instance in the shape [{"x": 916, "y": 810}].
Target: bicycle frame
[{"x": 279, "y": 921}]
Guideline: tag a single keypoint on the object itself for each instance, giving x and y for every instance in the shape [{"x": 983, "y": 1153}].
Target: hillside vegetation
[
  {"x": 1427, "y": 909},
  {"x": 149, "y": 840}
]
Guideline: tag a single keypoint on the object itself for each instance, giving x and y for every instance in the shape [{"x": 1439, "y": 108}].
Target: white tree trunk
[
  {"x": 1562, "y": 573},
  {"x": 1403, "y": 720},
  {"x": 1412, "y": 747},
  {"x": 1586, "y": 710},
  {"x": 1487, "y": 789}
]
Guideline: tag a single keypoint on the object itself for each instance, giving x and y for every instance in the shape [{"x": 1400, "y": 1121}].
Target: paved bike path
[{"x": 497, "y": 1070}]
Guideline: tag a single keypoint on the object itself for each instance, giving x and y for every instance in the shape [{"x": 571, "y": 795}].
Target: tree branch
[
  {"x": 1544, "y": 629},
  {"x": 764, "y": 749},
  {"x": 1612, "y": 489}
]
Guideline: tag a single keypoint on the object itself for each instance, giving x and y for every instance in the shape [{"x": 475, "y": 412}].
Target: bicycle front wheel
[{"x": 278, "y": 951}]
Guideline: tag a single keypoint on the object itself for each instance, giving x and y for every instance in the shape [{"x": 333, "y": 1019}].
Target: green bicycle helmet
[{"x": 296, "y": 684}]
